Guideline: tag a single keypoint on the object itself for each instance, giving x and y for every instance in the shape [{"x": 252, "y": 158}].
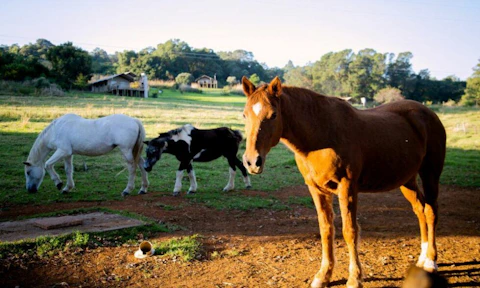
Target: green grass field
[{"x": 22, "y": 118}]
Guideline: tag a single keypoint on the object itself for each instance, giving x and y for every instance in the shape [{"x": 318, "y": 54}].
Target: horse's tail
[
  {"x": 138, "y": 147},
  {"x": 238, "y": 135}
]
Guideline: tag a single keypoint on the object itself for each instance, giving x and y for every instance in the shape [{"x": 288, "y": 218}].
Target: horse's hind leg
[
  {"x": 193, "y": 179},
  {"x": 127, "y": 154},
  {"x": 232, "y": 172},
  {"x": 246, "y": 178},
  {"x": 430, "y": 188},
  {"x": 49, "y": 166},
  {"x": 69, "y": 172},
  {"x": 145, "y": 183},
  {"x": 415, "y": 197}
]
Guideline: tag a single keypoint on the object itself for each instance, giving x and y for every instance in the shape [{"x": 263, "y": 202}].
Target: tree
[
  {"x": 68, "y": 63},
  {"x": 254, "y": 79},
  {"x": 81, "y": 82},
  {"x": 101, "y": 62},
  {"x": 388, "y": 94},
  {"x": 184, "y": 78},
  {"x": 472, "y": 92}
]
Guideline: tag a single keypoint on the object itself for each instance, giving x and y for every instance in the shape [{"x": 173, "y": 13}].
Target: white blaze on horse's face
[
  {"x": 34, "y": 176},
  {"x": 263, "y": 124},
  {"x": 257, "y": 108}
]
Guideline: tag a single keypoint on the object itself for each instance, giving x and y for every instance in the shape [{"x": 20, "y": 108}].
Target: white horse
[{"x": 72, "y": 134}]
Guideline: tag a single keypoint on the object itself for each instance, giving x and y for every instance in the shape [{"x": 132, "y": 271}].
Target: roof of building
[
  {"x": 127, "y": 76},
  {"x": 204, "y": 76}
]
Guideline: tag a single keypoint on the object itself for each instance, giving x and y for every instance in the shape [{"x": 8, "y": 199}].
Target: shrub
[
  {"x": 184, "y": 78},
  {"x": 388, "y": 94},
  {"x": 449, "y": 103},
  {"x": 187, "y": 88}
]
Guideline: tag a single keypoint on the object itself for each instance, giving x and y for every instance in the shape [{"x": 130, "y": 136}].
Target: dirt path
[{"x": 265, "y": 248}]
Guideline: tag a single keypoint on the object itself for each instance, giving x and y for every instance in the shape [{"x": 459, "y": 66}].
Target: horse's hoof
[
  {"x": 59, "y": 186},
  {"x": 191, "y": 192},
  {"x": 354, "y": 283},
  {"x": 175, "y": 194},
  {"x": 64, "y": 192},
  {"x": 248, "y": 187},
  {"x": 125, "y": 193},
  {"x": 141, "y": 192},
  {"x": 317, "y": 283}
]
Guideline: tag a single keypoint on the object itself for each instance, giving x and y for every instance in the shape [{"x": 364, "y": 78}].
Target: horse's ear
[
  {"x": 248, "y": 87},
  {"x": 27, "y": 163},
  {"x": 275, "y": 87}
]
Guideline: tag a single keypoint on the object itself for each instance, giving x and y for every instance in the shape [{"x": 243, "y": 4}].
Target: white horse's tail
[{"x": 138, "y": 148}]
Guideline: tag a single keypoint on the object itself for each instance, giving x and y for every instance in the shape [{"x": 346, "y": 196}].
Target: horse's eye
[
  {"x": 274, "y": 115},
  {"x": 244, "y": 116},
  {"x": 28, "y": 173}
]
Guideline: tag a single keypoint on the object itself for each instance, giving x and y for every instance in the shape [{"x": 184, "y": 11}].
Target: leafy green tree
[
  {"x": 298, "y": 76},
  {"x": 102, "y": 63},
  {"x": 330, "y": 75},
  {"x": 472, "y": 92},
  {"x": 184, "y": 78},
  {"x": 255, "y": 79},
  {"x": 14, "y": 66},
  {"x": 68, "y": 63},
  {"x": 399, "y": 71},
  {"x": 81, "y": 82}
]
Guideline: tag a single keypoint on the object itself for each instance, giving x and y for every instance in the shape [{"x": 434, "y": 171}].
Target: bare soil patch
[{"x": 263, "y": 248}]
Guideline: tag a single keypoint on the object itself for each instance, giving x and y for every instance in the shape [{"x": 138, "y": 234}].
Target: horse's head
[
  {"x": 263, "y": 122},
  {"x": 34, "y": 175},
  {"x": 155, "y": 149}
]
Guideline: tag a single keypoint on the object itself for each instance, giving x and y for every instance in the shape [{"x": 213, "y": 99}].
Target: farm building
[
  {"x": 205, "y": 81},
  {"x": 123, "y": 84}
]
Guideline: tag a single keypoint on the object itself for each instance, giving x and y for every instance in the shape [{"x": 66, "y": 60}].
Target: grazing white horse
[{"x": 72, "y": 134}]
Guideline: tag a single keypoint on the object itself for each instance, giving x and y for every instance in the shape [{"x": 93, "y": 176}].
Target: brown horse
[{"x": 341, "y": 150}]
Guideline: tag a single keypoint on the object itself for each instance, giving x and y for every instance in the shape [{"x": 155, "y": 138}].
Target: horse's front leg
[
  {"x": 49, "y": 166},
  {"x": 193, "y": 179},
  {"x": 347, "y": 197},
  {"x": 145, "y": 183},
  {"x": 323, "y": 204},
  {"x": 69, "y": 172}
]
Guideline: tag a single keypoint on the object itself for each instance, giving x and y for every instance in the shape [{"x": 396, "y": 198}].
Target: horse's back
[
  {"x": 401, "y": 137},
  {"x": 96, "y": 136}
]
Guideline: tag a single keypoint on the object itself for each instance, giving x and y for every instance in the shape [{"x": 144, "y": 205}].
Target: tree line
[{"x": 344, "y": 73}]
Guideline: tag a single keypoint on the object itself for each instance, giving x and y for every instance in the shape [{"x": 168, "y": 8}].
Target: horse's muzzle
[
  {"x": 253, "y": 167},
  {"x": 32, "y": 189},
  {"x": 147, "y": 168}
]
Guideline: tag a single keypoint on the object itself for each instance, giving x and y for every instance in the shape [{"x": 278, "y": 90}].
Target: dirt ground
[{"x": 264, "y": 248}]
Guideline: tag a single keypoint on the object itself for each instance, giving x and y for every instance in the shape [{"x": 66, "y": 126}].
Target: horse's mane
[
  {"x": 34, "y": 152},
  {"x": 173, "y": 132}
]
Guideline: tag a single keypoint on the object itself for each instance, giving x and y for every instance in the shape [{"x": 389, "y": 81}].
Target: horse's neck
[
  {"x": 308, "y": 120},
  {"x": 40, "y": 150}
]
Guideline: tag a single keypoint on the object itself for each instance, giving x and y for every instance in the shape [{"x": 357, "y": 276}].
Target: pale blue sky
[{"x": 444, "y": 36}]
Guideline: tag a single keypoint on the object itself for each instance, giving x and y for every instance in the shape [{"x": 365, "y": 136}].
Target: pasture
[{"x": 259, "y": 238}]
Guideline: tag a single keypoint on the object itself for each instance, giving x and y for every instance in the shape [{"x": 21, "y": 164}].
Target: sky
[{"x": 444, "y": 36}]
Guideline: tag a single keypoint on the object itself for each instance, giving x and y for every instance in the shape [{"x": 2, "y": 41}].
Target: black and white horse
[{"x": 188, "y": 144}]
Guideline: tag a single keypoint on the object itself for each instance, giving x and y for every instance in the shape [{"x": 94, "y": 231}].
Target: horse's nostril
[
  {"x": 258, "y": 163},
  {"x": 248, "y": 163}
]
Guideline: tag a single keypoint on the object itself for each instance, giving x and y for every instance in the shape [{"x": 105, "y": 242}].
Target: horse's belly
[
  {"x": 92, "y": 150},
  {"x": 389, "y": 175}
]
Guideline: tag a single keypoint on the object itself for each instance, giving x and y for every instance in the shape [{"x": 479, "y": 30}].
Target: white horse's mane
[{"x": 34, "y": 152}]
